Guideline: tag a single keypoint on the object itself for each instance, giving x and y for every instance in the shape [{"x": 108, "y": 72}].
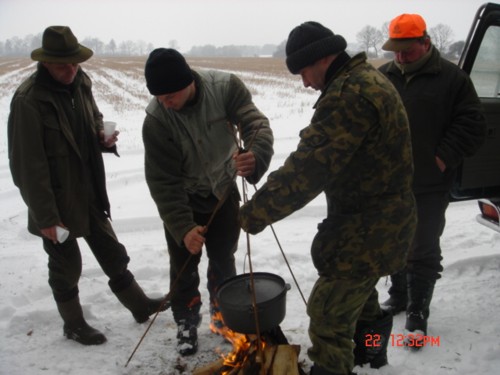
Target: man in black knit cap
[
  {"x": 191, "y": 160},
  {"x": 357, "y": 150}
]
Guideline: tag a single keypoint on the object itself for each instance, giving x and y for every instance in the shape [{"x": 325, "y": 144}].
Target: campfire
[{"x": 269, "y": 354}]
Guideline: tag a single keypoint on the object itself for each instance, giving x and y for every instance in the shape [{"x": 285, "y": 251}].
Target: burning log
[{"x": 279, "y": 359}]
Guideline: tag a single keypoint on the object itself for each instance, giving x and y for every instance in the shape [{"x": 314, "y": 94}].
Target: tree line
[{"x": 369, "y": 39}]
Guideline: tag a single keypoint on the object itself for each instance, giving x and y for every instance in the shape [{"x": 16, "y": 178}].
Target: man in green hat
[{"x": 55, "y": 139}]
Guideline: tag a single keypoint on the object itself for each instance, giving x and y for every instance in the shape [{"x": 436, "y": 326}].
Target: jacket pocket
[
  {"x": 55, "y": 141},
  {"x": 337, "y": 245}
]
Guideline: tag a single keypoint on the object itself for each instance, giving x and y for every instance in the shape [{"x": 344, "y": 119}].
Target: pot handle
[{"x": 287, "y": 287}]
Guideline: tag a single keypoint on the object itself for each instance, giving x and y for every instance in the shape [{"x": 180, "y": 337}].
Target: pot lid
[{"x": 237, "y": 291}]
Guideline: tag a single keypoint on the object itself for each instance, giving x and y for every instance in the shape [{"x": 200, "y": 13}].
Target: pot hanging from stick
[{"x": 234, "y": 297}]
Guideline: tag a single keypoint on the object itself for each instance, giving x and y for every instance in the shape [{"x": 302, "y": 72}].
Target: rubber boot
[
  {"x": 141, "y": 306},
  {"x": 371, "y": 339},
  {"x": 75, "y": 327},
  {"x": 420, "y": 291},
  {"x": 398, "y": 294}
]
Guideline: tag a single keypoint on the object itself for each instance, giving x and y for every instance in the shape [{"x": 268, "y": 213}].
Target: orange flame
[{"x": 241, "y": 343}]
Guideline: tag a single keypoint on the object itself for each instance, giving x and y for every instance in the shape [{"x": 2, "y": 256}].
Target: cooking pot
[{"x": 235, "y": 300}]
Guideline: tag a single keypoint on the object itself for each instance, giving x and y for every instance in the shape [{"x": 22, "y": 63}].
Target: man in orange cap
[{"x": 446, "y": 126}]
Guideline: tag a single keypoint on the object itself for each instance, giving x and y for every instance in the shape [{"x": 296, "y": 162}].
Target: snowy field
[{"x": 465, "y": 312}]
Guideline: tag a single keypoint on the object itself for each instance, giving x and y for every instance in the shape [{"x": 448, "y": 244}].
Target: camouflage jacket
[{"x": 357, "y": 151}]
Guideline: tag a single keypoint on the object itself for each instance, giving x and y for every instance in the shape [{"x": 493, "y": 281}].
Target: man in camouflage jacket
[
  {"x": 192, "y": 157},
  {"x": 357, "y": 151}
]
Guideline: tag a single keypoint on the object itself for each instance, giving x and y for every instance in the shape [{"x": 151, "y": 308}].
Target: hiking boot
[{"x": 187, "y": 336}]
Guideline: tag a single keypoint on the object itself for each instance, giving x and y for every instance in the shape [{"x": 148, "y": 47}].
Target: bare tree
[
  {"x": 370, "y": 38},
  {"x": 94, "y": 44},
  {"x": 127, "y": 48},
  {"x": 141, "y": 47},
  {"x": 111, "y": 47},
  {"x": 441, "y": 36},
  {"x": 455, "y": 50},
  {"x": 385, "y": 30},
  {"x": 173, "y": 44}
]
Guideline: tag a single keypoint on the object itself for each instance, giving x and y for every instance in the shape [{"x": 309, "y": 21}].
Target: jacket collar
[
  {"x": 43, "y": 77},
  {"x": 343, "y": 66},
  {"x": 429, "y": 64}
]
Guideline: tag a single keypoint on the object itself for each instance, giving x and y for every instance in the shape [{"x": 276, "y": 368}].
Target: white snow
[{"x": 465, "y": 312}]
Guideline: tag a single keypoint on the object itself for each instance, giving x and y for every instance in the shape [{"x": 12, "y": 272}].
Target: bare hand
[
  {"x": 194, "y": 239},
  {"x": 111, "y": 141},
  {"x": 51, "y": 233},
  {"x": 245, "y": 163},
  {"x": 441, "y": 165}
]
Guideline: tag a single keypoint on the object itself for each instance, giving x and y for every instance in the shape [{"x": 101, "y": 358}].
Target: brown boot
[
  {"x": 75, "y": 326},
  {"x": 141, "y": 306}
]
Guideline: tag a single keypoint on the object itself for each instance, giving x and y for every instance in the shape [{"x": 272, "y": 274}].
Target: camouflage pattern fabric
[
  {"x": 357, "y": 150},
  {"x": 334, "y": 308}
]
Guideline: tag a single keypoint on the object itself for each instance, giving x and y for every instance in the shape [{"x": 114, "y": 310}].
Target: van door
[{"x": 479, "y": 175}]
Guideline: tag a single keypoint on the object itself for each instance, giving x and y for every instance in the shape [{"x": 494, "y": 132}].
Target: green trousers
[{"x": 334, "y": 307}]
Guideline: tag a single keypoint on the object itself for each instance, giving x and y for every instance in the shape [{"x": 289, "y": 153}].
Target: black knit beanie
[
  {"x": 309, "y": 42},
  {"x": 166, "y": 72}
]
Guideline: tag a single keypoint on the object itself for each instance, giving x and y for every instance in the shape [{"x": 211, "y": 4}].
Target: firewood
[
  {"x": 286, "y": 360},
  {"x": 269, "y": 355}
]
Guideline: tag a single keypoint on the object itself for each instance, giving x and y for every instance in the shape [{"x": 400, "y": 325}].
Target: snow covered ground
[{"x": 465, "y": 311}]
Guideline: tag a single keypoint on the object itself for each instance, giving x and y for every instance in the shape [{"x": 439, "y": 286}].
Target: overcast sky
[{"x": 221, "y": 22}]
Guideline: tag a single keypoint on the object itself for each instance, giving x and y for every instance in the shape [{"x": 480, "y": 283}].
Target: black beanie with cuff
[
  {"x": 167, "y": 72},
  {"x": 310, "y": 42}
]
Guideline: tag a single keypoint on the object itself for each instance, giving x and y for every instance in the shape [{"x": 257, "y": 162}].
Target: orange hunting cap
[{"x": 403, "y": 30}]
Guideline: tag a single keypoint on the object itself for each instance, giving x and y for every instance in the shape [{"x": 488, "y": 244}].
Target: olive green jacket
[
  {"x": 45, "y": 157},
  {"x": 357, "y": 151},
  {"x": 188, "y": 153}
]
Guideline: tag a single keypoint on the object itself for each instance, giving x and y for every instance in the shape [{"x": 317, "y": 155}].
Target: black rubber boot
[
  {"x": 75, "y": 327},
  {"x": 398, "y": 294},
  {"x": 371, "y": 339},
  {"x": 420, "y": 291},
  {"x": 141, "y": 306}
]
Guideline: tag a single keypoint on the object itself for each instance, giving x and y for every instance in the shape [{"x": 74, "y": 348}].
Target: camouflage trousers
[{"x": 334, "y": 307}]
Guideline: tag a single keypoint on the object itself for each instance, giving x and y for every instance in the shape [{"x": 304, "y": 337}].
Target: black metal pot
[{"x": 236, "y": 302}]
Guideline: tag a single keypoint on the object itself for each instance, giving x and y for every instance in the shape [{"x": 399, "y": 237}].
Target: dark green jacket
[
  {"x": 445, "y": 119},
  {"x": 46, "y": 159},
  {"x": 357, "y": 151},
  {"x": 188, "y": 153}
]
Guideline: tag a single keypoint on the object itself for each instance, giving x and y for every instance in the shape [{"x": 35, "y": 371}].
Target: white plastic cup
[
  {"x": 62, "y": 234},
  {"x": 109, "y": 129}
]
